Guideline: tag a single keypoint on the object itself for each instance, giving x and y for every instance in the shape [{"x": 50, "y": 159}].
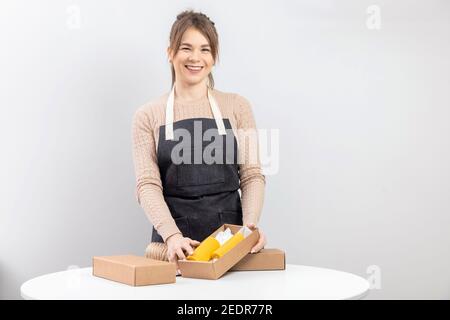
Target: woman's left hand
[{"x": 262, "y": 239}]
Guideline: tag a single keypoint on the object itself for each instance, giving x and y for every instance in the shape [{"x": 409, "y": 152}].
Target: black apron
[{"x": 200, "y": 196}]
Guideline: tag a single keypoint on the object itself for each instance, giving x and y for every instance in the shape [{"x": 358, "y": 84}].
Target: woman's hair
[{"x": 204, "y": 25}]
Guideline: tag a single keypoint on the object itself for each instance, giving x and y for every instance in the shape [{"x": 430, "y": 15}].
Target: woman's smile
[{"x": 194, "y": 69}]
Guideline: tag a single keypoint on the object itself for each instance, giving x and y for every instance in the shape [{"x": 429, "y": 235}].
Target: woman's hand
[
  {"x": 177, "y": 246},
  {"x": 262, "y": 239}
]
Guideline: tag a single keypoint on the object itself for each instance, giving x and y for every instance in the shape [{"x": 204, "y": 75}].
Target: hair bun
[{"x": 195, "y": 15}]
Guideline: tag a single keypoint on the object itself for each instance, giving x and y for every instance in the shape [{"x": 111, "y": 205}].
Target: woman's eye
[
  {"x": 185, "y": 48},
  {"x": 206, "y": 50}
]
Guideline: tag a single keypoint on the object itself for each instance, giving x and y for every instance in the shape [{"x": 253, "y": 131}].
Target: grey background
[{"x": 363, "y": 178}]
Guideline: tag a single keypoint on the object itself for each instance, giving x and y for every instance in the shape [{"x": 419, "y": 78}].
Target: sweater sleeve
[
  {"x": 149, "y": 193},
  {"x": 252, "y": 181}
]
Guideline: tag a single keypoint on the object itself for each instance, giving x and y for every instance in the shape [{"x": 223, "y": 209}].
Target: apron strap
[
  {"x": 169, "y": 115},
  {"x": 216, "y": 113},
  {"x": 214, "y": 108}
]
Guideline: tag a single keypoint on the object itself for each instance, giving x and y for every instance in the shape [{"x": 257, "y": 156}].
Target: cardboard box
[
  {"x": 134, "y": 270},
  {"x": 266, "y": 259},
  {"x": 214, "y": 270}
]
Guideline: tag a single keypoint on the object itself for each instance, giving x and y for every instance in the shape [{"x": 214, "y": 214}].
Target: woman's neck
[{"x": 187, "y": 92}]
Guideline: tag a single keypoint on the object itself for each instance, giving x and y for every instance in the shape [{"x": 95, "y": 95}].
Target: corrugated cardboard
[
  {"x": 134, "y": 270},
  {"x": 266, "y": 259},
  {"x": 214, "y": 270}
]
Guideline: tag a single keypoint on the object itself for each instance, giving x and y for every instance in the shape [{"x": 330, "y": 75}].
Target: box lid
[
  {"x": 132, "y": 260},
  {"x": 134, "y": 270}
]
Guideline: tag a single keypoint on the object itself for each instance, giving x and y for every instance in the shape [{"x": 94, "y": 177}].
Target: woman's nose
[{"x": 194, "y": 55}]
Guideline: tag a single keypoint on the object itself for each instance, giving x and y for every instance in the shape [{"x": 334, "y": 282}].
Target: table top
[{"x": 297, "y": 282}]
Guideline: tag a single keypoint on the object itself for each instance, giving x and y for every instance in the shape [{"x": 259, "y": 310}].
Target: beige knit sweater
[{"x": 145, "y": 134}]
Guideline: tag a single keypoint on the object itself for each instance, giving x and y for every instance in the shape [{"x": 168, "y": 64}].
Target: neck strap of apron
[{"x": 214, "y": 108}]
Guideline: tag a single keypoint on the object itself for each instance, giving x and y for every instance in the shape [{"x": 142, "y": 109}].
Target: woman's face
[{"x": 193, "y": 62}]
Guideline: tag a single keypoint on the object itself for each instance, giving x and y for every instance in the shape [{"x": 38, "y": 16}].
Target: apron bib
[{"x": 201, "y": 195}]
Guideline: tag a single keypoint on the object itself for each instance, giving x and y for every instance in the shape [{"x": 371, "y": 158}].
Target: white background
[{"x": 363, "y": 182}]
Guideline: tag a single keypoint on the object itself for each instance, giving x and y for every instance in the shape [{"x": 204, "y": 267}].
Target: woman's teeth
[{"x": 194, "y": 68}]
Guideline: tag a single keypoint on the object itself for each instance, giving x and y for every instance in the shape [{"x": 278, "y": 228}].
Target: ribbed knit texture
[
  {"x": 157, "y": 251},
  {"x": 145, "y": 134}
]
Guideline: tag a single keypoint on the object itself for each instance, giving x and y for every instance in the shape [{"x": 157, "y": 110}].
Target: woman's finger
[
  {"x": 257, "y": 248},
  {"x": 172, "y": 257},
  {"x": 251, "y": 225},
  {"x": 195, "y": 243},
  {"x": 188, "y": 249},
  {"x": 260, "y": 244},
  {"x": 180, "y": 254}
]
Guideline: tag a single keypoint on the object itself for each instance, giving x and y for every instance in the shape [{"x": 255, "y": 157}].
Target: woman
[{"x": 187, "y": 200}]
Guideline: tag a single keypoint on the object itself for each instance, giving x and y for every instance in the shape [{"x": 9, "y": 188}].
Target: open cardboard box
[{"x": 214, "y": 270}]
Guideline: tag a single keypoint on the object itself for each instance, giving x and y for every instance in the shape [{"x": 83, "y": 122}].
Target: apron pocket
[
  {"x": 199, "y": 174},
  {"x": 183, "y": 224},
  {"x": 231, "y": 217},
  {"x": 202, "y": 226}
]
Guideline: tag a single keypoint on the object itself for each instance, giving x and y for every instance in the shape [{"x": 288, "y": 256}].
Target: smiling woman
[
  {"x": 194, "y": 47},
  {"x": 187, "y": 201}
]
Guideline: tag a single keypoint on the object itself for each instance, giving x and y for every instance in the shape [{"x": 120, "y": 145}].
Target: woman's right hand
[{"x": 178, "y": 246}]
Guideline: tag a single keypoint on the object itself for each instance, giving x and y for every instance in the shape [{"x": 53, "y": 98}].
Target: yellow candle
[
  {"x": 204, "y": 250},
  {"x": 227, "y": 246}
]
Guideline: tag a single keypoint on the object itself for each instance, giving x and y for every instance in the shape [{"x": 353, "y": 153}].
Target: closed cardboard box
[
  {"x": 266, "y": 259},
  {"x": 215, "y": 269},
  {"x": 134, "y": 270}
]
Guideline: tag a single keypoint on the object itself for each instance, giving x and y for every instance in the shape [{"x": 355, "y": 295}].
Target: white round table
[{"x": 296, "y": 282}]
